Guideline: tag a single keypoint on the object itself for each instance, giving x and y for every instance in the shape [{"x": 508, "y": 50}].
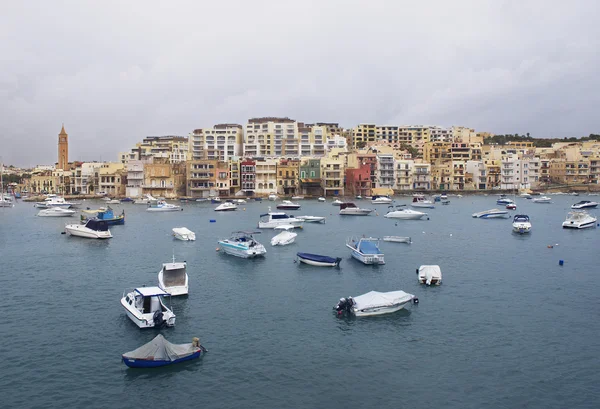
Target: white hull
[
  {"x": 82, "y": 231},
  {"x": 226, "y": 207},
  {"x": 381, "y": 201},
  {"x": 405, "y": 215},
  {"x": 184, "y": 235},
  {"x": 355, "y": 212},
  {"x": 379, "y": 310},
  {"x": 238, "y": 251},
  {"x": 56, "y": 213},
  {"x": 274, "y": 223},
  {"x": 491, "y": 214},
  {"x": 584, "y": 225},
  {"x": 321, "y": 199},
  {"x": 423, "y": 205},
  {"x": 312, "y": 219},
  {"x": 283, "y": 239},
  {"x": 163, "y": 209},
  {"x": 397, "y": 239},
  {"x": 146, "y": 320},
  {"x": 521, "y": 228},
  {"x": 174, "y": 290},
  {"x": 316, "y": 263}
]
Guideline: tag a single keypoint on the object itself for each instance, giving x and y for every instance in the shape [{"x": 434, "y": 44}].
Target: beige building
[
  {"x": 272, "y": 137},
  {"x": 112, "y": 179},
  {"x": 164, "y": 179},
  {"x": 221, "y": 142},
  {"x": 332, "y": 173},
  {"x": 201, "y": 178},
  {"x": 266, "y": 176}
]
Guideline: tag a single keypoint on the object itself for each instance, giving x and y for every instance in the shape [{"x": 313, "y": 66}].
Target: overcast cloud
[{"x": 117, "y": 71}]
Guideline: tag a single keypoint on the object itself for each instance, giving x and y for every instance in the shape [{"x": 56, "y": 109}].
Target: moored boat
[
  {"x": 92, "y": 229},
  {"x": 184, "y": 234},
  {"x": 242, "y": 244},
  {"x": 337, "y": 202},
  {"x": 321, "y": 199},
  {"x": 381, "y": 199},
  {"x": 491, "y": 214},
  {"x": 429, "y": 275},
  {"x": 521, "y": 224},
  {"x": 312, "y": 219},
  {"x": 173, "y": 278},
  {"x": 273, "y": 219},
  {"x": 420, "y": 201},
  {"x": 160, "y": 352},
  {"x": 162, "y": 206},
  {"x": 146, "y": 308},
  {"x": 105, "y": 214},
  {"x": 542, "y": 199},
  {"x": 366, "y": 250},
  {"x": 350, "y": 209},
  {"x": 585, "y": 204},
  {"x": 404, "y": 214},
  {"x": 285, "y": 237},
  {"x": 56, "y": 212},
  {"x": 374, "y": 303},
  {"x": 397, "y": 239},
  {"x": 318, "y": 260},
  {"x": 226, "y": 207},
  {"x": 288, "y": 205},
  {"x": 579, "y": 220}
]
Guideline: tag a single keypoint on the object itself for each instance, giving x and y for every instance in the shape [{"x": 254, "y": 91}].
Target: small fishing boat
[
  {"x": 173, "y": 278},
  {"x": 242, "y": 244},
  {"x": 374, "y": 303},
  {"x": 105, "y": 214},
  {"x": 226, "y": 207},
  {"x": 215, "y": 200},
  {"x": 288, "y": 205},
  {"x": 397, "y": 239},
  {"x": 285, "y": 237},
  {"x": 56, "y": 212},
  {"x": 93, "y": 229},
  {"x": 429, "y": 275},
  {"x": 350, "y": 209},
  {"x": 183, "y": 233},
  {"x": 511, "y": 206},
  {"x": 337, "y": 202},
  {"x": 162, "y": 206},
  {"x": 381, "y": 199},
  {"x": 160, "y": 352},
  {"x": 312, "y": 219},
  {"x": 146, "y": 308},
  {"x": 366, "y": 250},
  {"x": 318, "y": 260},
  {"x": 321, "y": 199}
]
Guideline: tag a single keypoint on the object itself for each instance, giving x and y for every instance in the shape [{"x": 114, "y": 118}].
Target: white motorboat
[
  {"x": 318, "y": 260},
  {"x": 579, "y": 220},
  {"x": 113, "y": 201},
  {"x": 4, "y": 202},
  {"x": 521, "y": 224},
  {"x": 380, "y": 199},
  {"x": 505, "y": 201},
  {"x": 146, "y": 308},
  {"x": 321, "y": 199},
  {"x": 285, "y": 237},
  {"x": 491, "y": 214},
  {"x": 183, "y": 233},
  {"x": 56, "y": 212},
  {"x": 54, "y": 201},
  {"x": 350, "y": 209},
  {"x": 173, "y": 278},
  {"x": 146, "y": 200},
  {"x": 273, "y": 219},
  {"x": 214, "y": 200},
  {"x": 162, "y": 206},
  {"x": 288, "y": 205},
  {"x": 420, "y": 201},
  {"x": 240, "y": 201},
  {"x": 374, "y": 303},
  {"x": 312, "y": 219},
  {"x": 366, "y": 250},
  {"x": 542, "y": 199},
  {"x": 525, "y": 195},
  {"x": 337, "y": 202},
  {"x": 92, "y": 229},
  {"x": 585, "y": 204},
  {"x": 242, "y": 244},
  {"x": 397, "y": 239},
  {"x": 272, "y": 197},
  {"x": 226, "y": 207},
  {"x": 297, "y": 197},
  {"x": 429, "y": 275},
  {"x": 404, "y": 214}
]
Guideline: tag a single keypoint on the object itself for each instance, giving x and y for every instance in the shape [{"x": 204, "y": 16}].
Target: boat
[
  {"x": 273, "y": 219},
  {"x": 542, "y": 199},
  {"x": 374, "y": 303},
  {"x": 272, "y": 197},
  {"x": 505, "y": 201},
  {"x": 420, "y": 201},
  {"x": 126, "y": 200},
  {"x": 215, "y": 200},
  {"x": 337, "y": 202},
  {"x": 288, "y": 205},
  {"x": 56, "y": 212},
  {"x": 240, "y": 201},
  {"x": 183, "y": 233},
  {"x": 404, "y": 213},
  {"x": 173, "y": 278},
  {"x": 511, "y": 206},
  {"x": 312, "y": 219},
  {"x": 162, "y": 206},
  {"x": 297, "y": 197},
  {"x": 321, "y": 199},
  {"x": 105, "y": 214},
  {"x": 574, "y": 194},
  {"x": 521, "y": 224},
  {"x": 366, "y": 250},
  {"x": 114, "y": 201},
  {"x": 579, "y": 220},
  {"x": 285, "y": 237},
  {"x": 397, "y": 239},
  {"x": 585, "y": 204},
  {"x": 525, "y": 195},
  {"x": 358, "y": 197},
  {"x": 491, "y": 214},
  {"x": 55, "y": 201},
  {"x": 242, "y": 244},
  {"x": 202, "y": 199},
  {"x": 92, "y": 229},
  {"x": 381, "y": 199},
  {"x": 258, "y": 199},
  {"x": 445, "y": 201},
  {"x": 4, "y": 202},
  {"x": 226, "y": 207},
  {"x": 350, "y": 209},
  {"x": 160, "y": 352},
  {"x": 146, "y": 308},
  {"x": 146, "y": 200},
  {"x": 429, "y": 275},
  {"x": 318, "y": 260}
]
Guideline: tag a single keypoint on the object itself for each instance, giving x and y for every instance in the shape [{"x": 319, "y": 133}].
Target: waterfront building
[
  {"x": 288, "y": 177},
  {"x": 360, "y": 172},
  {"x": 221, "y": 142},
  {"x": 248, "y": 175},
  {"x": 595, "y": 169},
  {"x": 385, "y": 172},
  {"x": 441, "y": 175},
  {"x": 135, "y": 179},
  {"x": 234, "y": 176},
  {"x": 164, "y": 179},
  {"x": 458, "y": 175},
  {"x": 201, "y": 178},
  {"x": 42, "y": 181},
  {"x": 173, "y": 149},
  {"x": 310, "y": 177},
  {"x": 493, "y": 168},
  {"x": 404, "y": 169},
  {"x": 266, "y": 176},
  {"x": 222, "y": 178},
  {"x": 272, "y": 137},
  {"x": 332, "y": 174},
  {"x": 421, "y": 176},
  {"x": 477, "y": 172},
  {"x": 86, "y": 178},
  {"x": 312, "y": 139},
  {"x": 437, "y": 151},
  {"x": 111, "y": 177}
]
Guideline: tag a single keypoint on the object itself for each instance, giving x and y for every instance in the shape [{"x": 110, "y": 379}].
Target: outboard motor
[
  {"x": 158, "y": 318},
  {"x": 345, "y": 305}
]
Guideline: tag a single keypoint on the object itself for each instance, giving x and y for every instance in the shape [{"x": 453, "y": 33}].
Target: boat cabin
[
  {"x": 147, "y": 299},
  {"x": 348, "y": 205},
  {"x": 97, "y": 225}
]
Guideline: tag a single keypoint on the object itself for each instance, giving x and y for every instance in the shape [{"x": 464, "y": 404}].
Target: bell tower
[{"x": 63, "y": 149}]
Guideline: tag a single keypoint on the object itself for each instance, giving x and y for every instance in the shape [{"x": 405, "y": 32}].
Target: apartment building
[
  {"x": 248, "y": 176},
  {"x": 273, "y": 137},
  {"x": 421, "y": 176},
  {"x": 201, "y": 178},
  {"x": 173, "y": 149},
  {"x": 478, "y": 175},
  {"x": 221, "y": 142},
  {"x": 362, "y": 135},
  {"x": 234, "y": 176},
  {"x": 310, "y": 177},
  {"x": 112, "y": 179},
  {"x": 222, "y": 180},
  {"x": 135, "y": 178},
  {"x": 332, "y": 174},
  {"x": 385, "y": 171},
  {"x": 458, "y": 175},
  {"x": 404, "y": 175},
  {"x": 312, "y": 139},
  {"x": 288, "y": 177},
  {"x": 266, "y": 176},
  {"x": 360, "y": 173}
]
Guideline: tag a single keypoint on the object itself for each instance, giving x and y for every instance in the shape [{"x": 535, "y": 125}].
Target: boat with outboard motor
[
  {"x": 585, "y": 204},
  {"x": 337, "y": 202},
  {"x": 350, "y": 209},
  {"x": 397, "y": 239},
  {"x": 285, "y": 237},
  {"x": 162, "y": 206},
  {"x": 160, "y": 352},
  {"x": 505, "y": 201},
  {"x": 542, "y": 199},
  {"x": 381, "y": 199},
  {"x": 521, "y": 224},
  {"x": 146, "y": 308},
  {"x": 420, "y": 201},
  {"x": 429, "y": 275},
  {"x": 288, "y": 205},
  {"x": 273, "y": 219},
  {"x": 184, "y": 234},
  {"x": 366, "y": 250},
  {"x": 318, "y": 260},
  {"x": 374, "y": 303},
  {"x": 105, "y": 214},
  {"x": 404, "y": 213},
  {"x": 242, "y": 244},
  {"x": 147, "y": 199},
  {"x": 56, "y": 212},
  {"x": 226, "y": 207},
  {"x": 579, "y": 219},
  {"x": 272, "y": 196},
  {"x": 55, "y": 201},
  {"x": 491, "y": 214},
  {"x": 92, "y": 229},
  {"x": 312, "y": 219},
  {"x": 173, "y": 278}
]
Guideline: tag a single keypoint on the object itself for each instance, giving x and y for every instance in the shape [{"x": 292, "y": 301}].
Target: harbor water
[{"x": 509, "y": 327}]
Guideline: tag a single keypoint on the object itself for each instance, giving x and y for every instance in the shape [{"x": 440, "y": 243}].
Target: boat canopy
[
  {"x": 275, "y": 216},
  {"x": 97, "y": 225},
  {"x": 521, "y": 218},
  {"x": 368, "y": 247},
  {"x": 316, "y": 257},
  {"x": 348, "y": 205},
  {"x": 430, "y": 272},
  {"x": 374, "y": 299},
  {"x": 159, "y": 349},
  {"x": 150, "y": 291}
]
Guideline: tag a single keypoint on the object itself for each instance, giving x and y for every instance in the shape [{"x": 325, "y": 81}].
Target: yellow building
[
  {"x": 493, "y": 172},
  {"x": 436, "y": 152},
  {"x": 332, "y": 173},
  {"x": 234, "y": 175},
  {"x": 201, "y": 178},
  {"x": 112, "y": 179},
  {"x": 163, "y": 179},
  {"x": 41, "y": 182},
  {"x": 441, "y": 175},
  {"x": 288, "y": 177}
]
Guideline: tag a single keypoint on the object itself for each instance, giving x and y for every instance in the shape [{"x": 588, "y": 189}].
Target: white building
[
  {"x": 337, "y": 141},
  {"x": 86, "y": 177},
  {"x": 404, "y": 169},
  {"x": 519, "y": 171},
  {"x": 135, "y": 178},
  {"x": 273, "y": 137},
  {"x": 221, "y": 142},
  {"x": 385, "y": 171},
  {"x": 421, "y": 176},
  {"x": 266, "y": 176}
]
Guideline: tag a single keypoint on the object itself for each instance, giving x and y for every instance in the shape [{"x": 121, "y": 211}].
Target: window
[
  {"x": 302, "y": 174},
  {"x": 312, "y": 173}
]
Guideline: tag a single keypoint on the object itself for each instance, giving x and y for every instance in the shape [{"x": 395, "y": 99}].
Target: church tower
[{"x": 63, "y": 149}]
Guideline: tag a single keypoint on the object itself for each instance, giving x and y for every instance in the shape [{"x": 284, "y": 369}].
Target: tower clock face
[{"x": 63, "y": 139}]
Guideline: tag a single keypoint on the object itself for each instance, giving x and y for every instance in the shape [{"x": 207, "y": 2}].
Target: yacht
[
  {"x": 420, "y": 201},
  {"x": 579, "y": 220},
  {"x": 374, "y": 303},
  {"x": 525, "y": 195},
  {"x": 312, "y": 219},
  {"x": 173, "y": 278},
  {"x": 337, "y": 202},
  {"x": 404, "y": 214},
  {"x": 242, "y": 244},
  {"x": 183, "y": 233},
  {"x": 366, "y": 250},
  {"x": 321, "y": 199},
  {"x": 285, "y": 237},
  {"x": 585, "y": 204},
  {"x": 56, "y": 212},
  {"x": 92, "y": 229},
  {"x": 505, "y": 201},
  {"x": 162, "y": 206},
  {"x": 521, "y": 224},
  {"x": 380, "y": 199},
  {"x": 542, "y": 199},
  {"x": 226, "y": 207},
  {"x": 350, "y": 209},
  {"x": 146, "y": 200},
  {"x": 288, "y": 205},
  {"x": 491, "y": 214},
  {"x": 54, "y": 201},
  {"x": 146, "y": 308},
  {"x": 273, "y": 219}
]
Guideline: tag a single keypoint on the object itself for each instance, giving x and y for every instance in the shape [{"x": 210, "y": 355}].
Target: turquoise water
[{"x": 508, "y": 328}]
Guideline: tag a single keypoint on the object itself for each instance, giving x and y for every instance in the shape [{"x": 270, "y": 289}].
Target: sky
[{"x": 116, "y": 71}]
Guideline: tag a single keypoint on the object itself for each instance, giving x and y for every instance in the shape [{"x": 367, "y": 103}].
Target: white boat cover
[
  {"x": 182, "y": 230},
  {"x": 159, "y": 349},
  {"x": 374, "y": 299},
  {"x": 429, "y": 273}
]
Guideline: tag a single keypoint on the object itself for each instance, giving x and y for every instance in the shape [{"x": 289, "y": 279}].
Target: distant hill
[{"x": 537, "y": 142}]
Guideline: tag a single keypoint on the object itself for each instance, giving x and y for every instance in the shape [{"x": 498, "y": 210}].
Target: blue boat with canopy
[
  {"x": 318, "y": 260},
  {"x": 160, "y": 352},
  {"x": 366, "y": 250}
]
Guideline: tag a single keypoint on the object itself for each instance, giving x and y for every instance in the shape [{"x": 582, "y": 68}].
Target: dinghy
[
  {"x": 318, "y": 260},
  {"x": 160, "y": 352}
]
